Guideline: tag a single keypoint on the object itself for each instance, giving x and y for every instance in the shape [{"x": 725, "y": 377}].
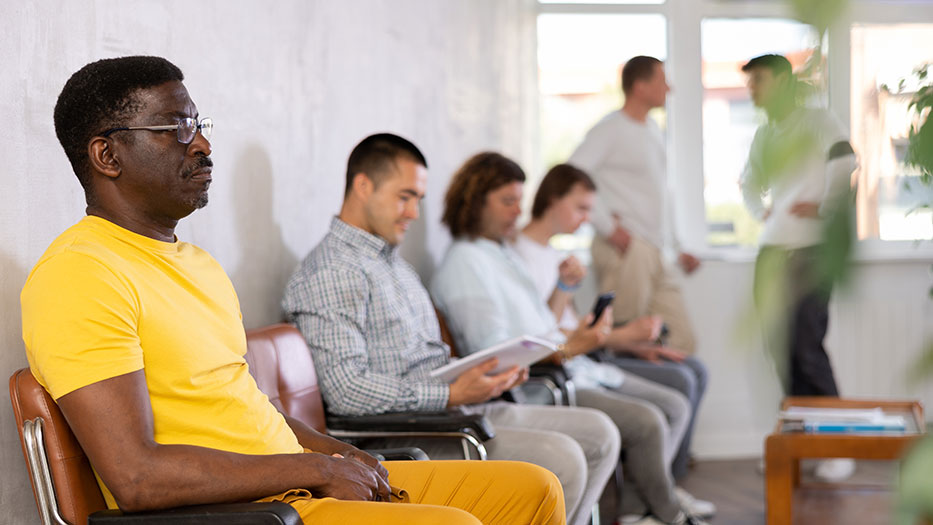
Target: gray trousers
[
  {"x": 689, "y": 378},
  {"x": 579, "y": 445},
  {"x": 652, "y": 420}
]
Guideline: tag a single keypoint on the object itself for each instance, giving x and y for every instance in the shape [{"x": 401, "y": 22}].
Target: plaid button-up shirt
[{"x": 370, "y": 324}]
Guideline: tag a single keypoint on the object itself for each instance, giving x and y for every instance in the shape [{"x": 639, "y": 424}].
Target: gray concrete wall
[{"x": 292, "y": 86}]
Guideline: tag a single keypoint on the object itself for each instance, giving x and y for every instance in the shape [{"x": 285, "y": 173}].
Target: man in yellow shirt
[{"x": 139, "y": 339}]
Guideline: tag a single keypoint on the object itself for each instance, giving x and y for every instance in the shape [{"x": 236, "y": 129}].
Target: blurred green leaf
[
  {"x": 818, "y": 13},
  {"x": 915, "y": 486}
]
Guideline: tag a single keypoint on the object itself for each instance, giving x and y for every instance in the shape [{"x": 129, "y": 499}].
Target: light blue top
[{"x": 487, "y": 297}]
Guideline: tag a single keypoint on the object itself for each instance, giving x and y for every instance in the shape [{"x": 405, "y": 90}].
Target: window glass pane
[
  {"x": 629, "y": 2},
  {"x": 580, "y": 59},
  {"x": 888, "y": 190},
  {"x": 730, "y": 118}
]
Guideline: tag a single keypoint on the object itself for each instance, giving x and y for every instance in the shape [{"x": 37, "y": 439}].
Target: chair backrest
[
  {"x": 280, "y": 361},
  {"x": 446, "y": 335},
  {"x": 76, "y": 493}
]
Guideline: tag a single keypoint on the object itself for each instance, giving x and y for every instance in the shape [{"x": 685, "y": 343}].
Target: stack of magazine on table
[{"x": 842, "y": 420}]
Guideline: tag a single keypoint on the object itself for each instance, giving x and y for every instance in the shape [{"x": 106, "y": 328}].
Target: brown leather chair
[
  {"x": 64, "y": 485},
  {"x": 281, "y": 363}
]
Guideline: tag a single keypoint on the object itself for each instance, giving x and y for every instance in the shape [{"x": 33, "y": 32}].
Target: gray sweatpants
[{"x": 652, "y": 420}]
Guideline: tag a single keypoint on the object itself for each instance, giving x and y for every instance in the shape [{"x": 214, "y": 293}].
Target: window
[
  {"x": 729, "y": 117},
  {"x": 888, "y": 190},
  {"x": 582, "y": 45},
  {"x": 580, "y": 59}
]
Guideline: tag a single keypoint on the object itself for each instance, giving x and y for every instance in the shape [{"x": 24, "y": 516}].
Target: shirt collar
[{"x": 362, "y": 241}]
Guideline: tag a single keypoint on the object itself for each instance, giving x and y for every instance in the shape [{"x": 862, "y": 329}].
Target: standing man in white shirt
[
  {"x": 797, "y": 178},
  {"x": 626, "y": 156}
]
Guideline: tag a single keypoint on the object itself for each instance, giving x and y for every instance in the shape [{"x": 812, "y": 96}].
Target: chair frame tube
[{"x": 41, "y": 474}]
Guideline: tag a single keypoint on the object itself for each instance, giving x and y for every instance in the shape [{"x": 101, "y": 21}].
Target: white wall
[{"x": 292, "y": 86}]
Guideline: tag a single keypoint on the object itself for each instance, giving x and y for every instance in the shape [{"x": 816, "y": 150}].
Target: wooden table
[{"x": 785, "y": 449}]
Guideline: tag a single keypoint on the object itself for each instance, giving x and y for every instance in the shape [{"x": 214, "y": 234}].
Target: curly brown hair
[{"x": 466, "y": 196}]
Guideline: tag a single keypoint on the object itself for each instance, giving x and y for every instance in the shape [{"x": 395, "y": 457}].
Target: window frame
[{"x": 685, "y": 103}]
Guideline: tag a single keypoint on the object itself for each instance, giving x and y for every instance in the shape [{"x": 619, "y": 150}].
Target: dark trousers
[{"x": 793, "y": 305}]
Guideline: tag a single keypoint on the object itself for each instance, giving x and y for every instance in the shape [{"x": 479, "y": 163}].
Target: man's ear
[
  {"x": 102, "y": 157},
  {"x": 362, "y": 186}
]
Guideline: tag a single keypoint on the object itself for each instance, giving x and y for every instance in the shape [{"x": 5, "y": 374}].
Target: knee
[
  {"x": 683, "y": 380},
  {"x": 681, "y": 407},
  {"x": 449, "y": 516},
  {"x": 540, "y": 486},
  {"x": 699, "y": 375},
  {"x": 603, "y": 433},
  {"x": 650, "y": 424}
]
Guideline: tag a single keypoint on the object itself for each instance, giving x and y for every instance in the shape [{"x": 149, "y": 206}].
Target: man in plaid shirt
[{"x": 375, "y": 338}]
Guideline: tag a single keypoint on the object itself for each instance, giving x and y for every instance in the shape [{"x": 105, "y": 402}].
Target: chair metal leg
[
  {"x": 41, "y": 475},
  {"x": 594, "y": 518}
]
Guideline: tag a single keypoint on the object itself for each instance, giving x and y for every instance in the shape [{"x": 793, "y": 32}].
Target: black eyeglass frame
[{"x": 185, "y": 126}]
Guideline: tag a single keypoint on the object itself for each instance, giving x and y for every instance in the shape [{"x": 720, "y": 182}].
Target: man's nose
[{"x": 200, "y": 144}]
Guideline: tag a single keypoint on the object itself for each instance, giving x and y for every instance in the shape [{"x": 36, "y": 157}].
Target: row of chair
[{"x": 66, "y": 489}]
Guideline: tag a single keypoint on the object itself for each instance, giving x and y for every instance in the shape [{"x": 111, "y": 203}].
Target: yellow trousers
[{"x": 449, "y": 493}]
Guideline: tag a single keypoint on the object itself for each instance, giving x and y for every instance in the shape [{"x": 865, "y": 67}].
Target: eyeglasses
[{"x": 186, "y": 129}]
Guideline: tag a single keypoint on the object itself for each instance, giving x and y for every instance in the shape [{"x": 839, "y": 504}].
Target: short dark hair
[
  {"x": 777, "y": 64},
  {"x": 558, "y": 182},
  {"x": 375, "y": 154},
  {"x": 480, "y": 174},
  {"x": 638, "y": 68},
  {"x": 102, "y": 95}
]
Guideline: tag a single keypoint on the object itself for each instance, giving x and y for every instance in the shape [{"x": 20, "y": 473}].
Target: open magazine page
[{"x": 521, "y": 351}]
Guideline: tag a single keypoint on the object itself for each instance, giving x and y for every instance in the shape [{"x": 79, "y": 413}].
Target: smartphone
[{"x": 602, "y": 302}]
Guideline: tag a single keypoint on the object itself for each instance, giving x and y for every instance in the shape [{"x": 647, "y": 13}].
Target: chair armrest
[
  {"x": 271, "y": 513},
  {"x": 393, "y": 454},
  {"x": 423, "y": 422},
  {"x": 551, "y": 371}
]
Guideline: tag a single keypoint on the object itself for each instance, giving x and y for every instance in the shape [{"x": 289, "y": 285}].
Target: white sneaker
[
  {"x": 835, "y": 470},
  {"x": 694, "y": 506}
]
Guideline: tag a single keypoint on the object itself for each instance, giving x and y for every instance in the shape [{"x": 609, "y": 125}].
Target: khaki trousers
[
  {"x": 448, "y": 493},
  {"x": 643, "y": 285}
]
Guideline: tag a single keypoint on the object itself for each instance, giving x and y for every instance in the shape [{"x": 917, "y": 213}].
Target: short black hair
[
  {"x": 777, "y": 64},
  {"x": 375, "y": 154},
  {"x": 638, "y": 68},
  {"x": 102, "y": 95}
]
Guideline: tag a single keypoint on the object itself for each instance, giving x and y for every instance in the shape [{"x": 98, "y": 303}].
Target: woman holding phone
[
  {"x": 488, "y": 296},
  {"x": 561, "y": 205}
]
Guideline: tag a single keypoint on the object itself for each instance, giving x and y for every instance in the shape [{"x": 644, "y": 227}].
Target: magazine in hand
[{"x": 521, "y": 351}]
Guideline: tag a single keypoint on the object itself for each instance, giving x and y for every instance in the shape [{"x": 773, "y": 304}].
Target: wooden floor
[{"x": 737, "y": 489}]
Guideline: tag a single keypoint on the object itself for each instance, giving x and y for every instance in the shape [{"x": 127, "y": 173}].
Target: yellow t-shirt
[{"x": 103, "y": 301}]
